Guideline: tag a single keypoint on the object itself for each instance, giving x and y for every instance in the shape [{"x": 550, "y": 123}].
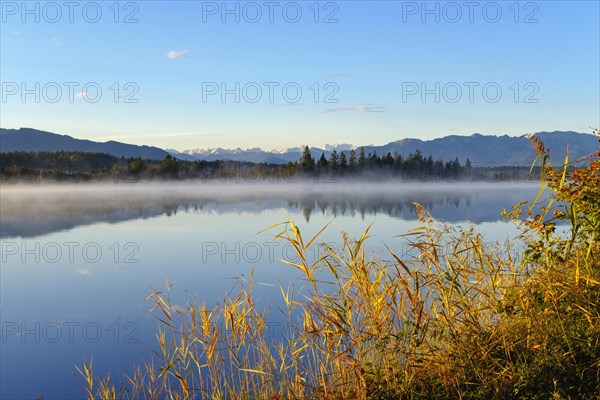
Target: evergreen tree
[
  {"x": 343, "y": 162},
  {"x": 455, "y": 169},
  {"x": 388, "y": 160},
  {"x": 362, "y": 158},
  {"x": 169, "y": 167},
  {"x": 429, "y": 165},
  {"x": 398, "y": 162},
  {"x": 419, "y": 157},
  {"x": 307, "y": 162},
  {"x": 468, "y": 170},
  {"x": 374, "y": 159},
  {"x": 333, "y": 160},
  {"x": 352, "y": 162},
  {"x": 322, "y": 163},
  {"x": 439, "y": 167}
]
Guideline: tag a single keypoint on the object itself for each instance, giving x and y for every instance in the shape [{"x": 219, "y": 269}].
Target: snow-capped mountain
[
  {"x": 338, "y": 147},
  {"x": 481, "y": 149}
]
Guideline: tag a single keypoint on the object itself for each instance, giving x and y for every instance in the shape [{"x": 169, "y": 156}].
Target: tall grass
[{"x": 457, "y": 319}]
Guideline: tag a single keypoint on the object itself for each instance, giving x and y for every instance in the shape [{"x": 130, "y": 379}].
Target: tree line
[
  {"x": 355, "y": 163},
  {"x": 77, "y": 166}
]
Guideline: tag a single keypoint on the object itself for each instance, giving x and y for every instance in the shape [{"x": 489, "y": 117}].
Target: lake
[{"x": 78, "y": 261}]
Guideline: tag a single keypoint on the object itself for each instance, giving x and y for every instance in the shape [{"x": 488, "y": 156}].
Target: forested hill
[{"x": 27, "y": 139}]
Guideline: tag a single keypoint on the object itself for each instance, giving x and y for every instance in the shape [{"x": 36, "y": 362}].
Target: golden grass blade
[
  {"x": 255, "y": 371},
  {"x": 317, "y": 235}
]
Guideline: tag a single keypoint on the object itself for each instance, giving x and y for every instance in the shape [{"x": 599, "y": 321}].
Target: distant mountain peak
[{"x": 338, "y": 147}]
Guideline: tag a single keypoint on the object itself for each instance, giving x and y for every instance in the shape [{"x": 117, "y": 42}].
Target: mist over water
[{"x": 29, "y": 211}]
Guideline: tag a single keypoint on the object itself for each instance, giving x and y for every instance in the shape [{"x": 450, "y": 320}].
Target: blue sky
[{"x": 277, "y": 74}]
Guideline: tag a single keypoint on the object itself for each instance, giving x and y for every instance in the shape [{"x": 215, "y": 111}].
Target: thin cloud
[
  {"x": 361, "y": 108},
  {"x": 84, "y": 271},
  {"x": 80, "y": 94},
  {"x": 339, "y": 109},
  {"x": 54, "y": 42},
  {"x": 173, "y": 54},
  {"x": 370, "y": 108}
]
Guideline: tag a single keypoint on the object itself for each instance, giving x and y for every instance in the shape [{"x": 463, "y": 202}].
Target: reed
[{"x": 458, "y": 319}]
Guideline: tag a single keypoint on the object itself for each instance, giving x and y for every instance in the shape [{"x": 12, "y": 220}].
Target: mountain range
[
  {"x": 480, "y": 149},
  {"x": 27, "y": 139}
]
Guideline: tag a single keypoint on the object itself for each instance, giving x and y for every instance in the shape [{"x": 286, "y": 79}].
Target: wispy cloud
[
  {"x": 370, "y": 108},
  {"x": 15, "y": 32},
  {"x": 80, "y": 94},
  {"x": 84, "y": 271},
  {"x": 361, "y": 108},
  {"x": 54, "y": 42},
  {"x": 173, "y": 54}
]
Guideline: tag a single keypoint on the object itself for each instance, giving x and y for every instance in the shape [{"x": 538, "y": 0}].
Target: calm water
[{"x": 77, "y": 262}]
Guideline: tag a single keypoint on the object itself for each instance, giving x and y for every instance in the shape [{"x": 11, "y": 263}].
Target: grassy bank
[{"x": 459, "y": 319}]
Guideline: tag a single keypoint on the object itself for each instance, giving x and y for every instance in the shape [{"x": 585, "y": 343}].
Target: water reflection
[{"x": 29, "y": 211}]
